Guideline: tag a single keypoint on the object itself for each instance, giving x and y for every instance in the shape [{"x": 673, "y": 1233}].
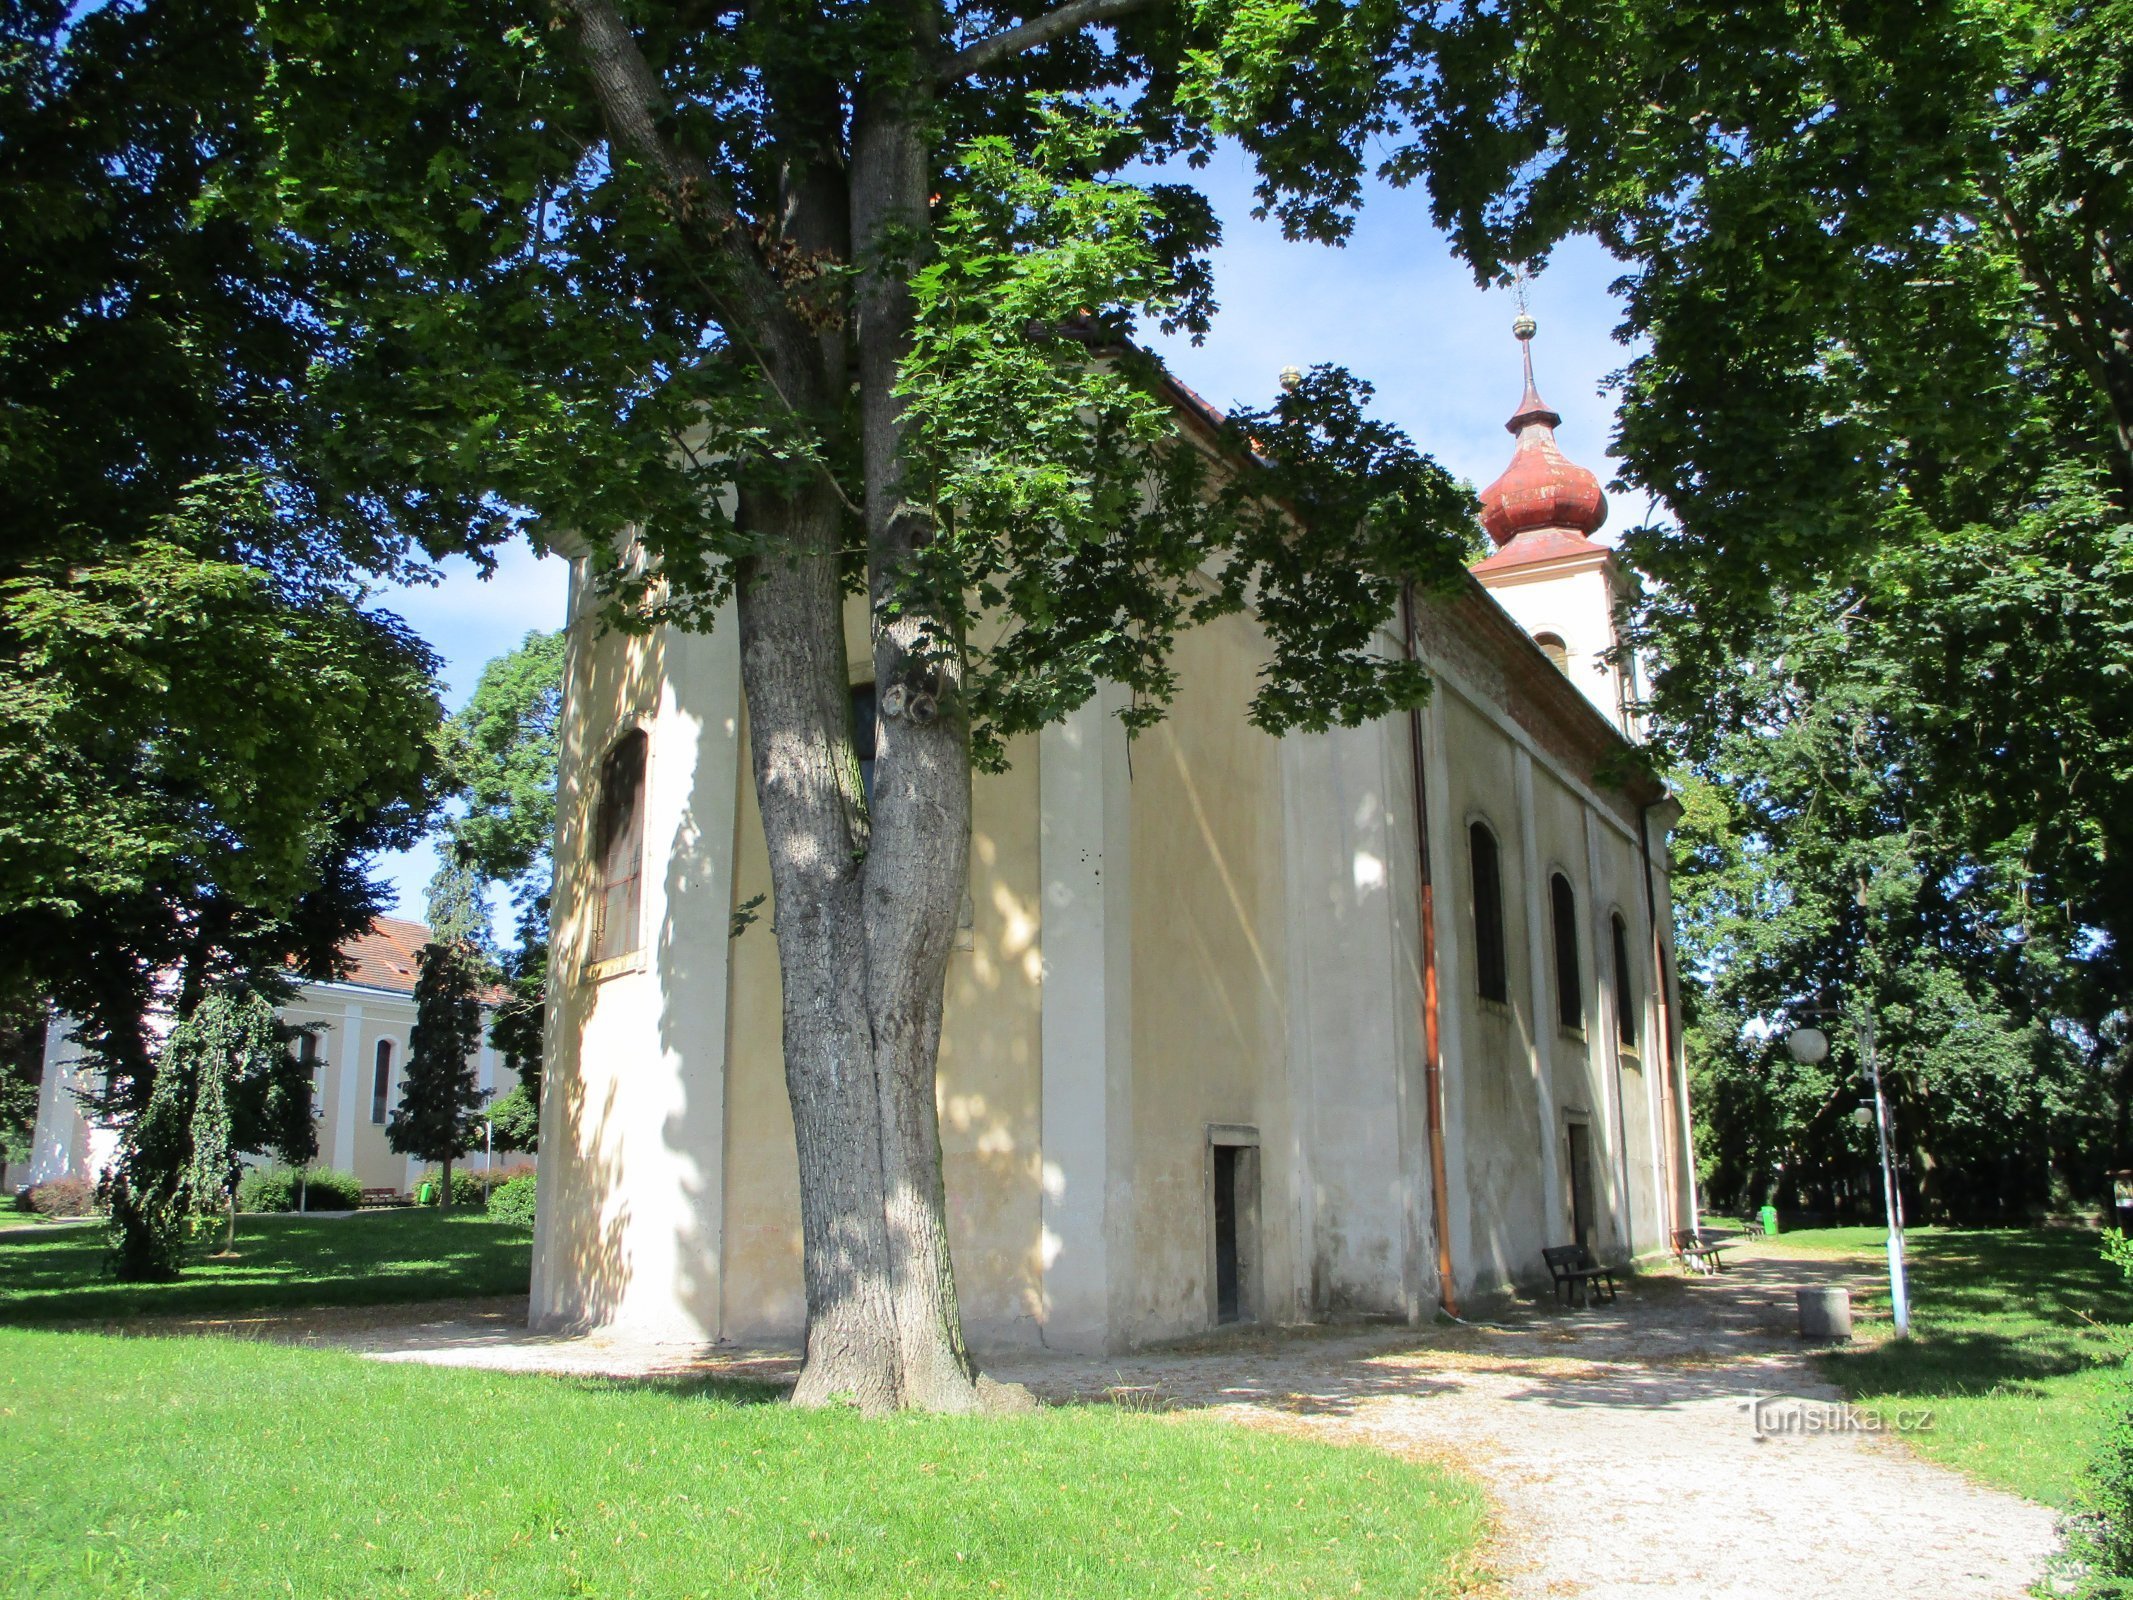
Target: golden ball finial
[{"x": 1524, "y": 327}]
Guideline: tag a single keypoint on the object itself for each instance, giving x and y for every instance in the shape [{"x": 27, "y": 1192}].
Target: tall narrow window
[
  {"x": 1569, "y": 987},
  {"x": 1554, "y": 649},
  {"x": 863, "y": 728},
  {"x": 307, "y": 1057},
  {"x": 618, "y": 839},
  {"x": 1491, "y": 982},
  {"x": 381, "y": 1080},
  {"x": 1625, "y": 990}
]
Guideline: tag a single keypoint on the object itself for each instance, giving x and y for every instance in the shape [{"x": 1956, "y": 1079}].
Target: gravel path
[{"x": 1617, "y": 1442}]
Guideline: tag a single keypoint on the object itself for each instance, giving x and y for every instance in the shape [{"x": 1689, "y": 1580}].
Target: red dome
[{"x": 1542, "y": 487}]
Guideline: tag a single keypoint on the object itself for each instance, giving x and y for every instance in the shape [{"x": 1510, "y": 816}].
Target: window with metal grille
[
  {"x": 1491, "y": 981},
  {"x": 618, "y": 843},
  {"x": 1569, "y": 984}
]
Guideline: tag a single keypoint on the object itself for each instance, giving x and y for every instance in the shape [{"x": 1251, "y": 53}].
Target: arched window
[
  {"x": 1569, "y": 986},
  {"x": 1625, "y": 991},
  {"x": 618, "y": 845},
  {"x": 381, "y": 1080},
  {"x": 1554, "y": 649},
  {"x": 1491, "y": 981}
]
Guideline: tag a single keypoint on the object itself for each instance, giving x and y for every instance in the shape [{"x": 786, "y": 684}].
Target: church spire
[{"x": 1542, "y": 489}]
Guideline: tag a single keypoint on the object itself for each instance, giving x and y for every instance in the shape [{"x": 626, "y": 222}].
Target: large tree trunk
[
  {"x": 864, "y": 907},
  {"x": 807, "y": 784},
  {"x": 918, "y": 858}
]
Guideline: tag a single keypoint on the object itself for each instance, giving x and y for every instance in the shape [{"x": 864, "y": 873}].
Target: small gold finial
[
  {"x": 1524, "y": 327},
  {"x": 1291, "y": 379}
]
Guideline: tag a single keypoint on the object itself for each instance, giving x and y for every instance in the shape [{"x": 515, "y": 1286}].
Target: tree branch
[
  {"x": 1039, "y": 30},
  {"x": 629, "y": 93}
]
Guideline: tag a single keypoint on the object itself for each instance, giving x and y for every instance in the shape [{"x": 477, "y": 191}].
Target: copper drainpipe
[{"x": 1432, "y": 1056}]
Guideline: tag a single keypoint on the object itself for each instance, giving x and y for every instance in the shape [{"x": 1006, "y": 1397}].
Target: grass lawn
[
  {"x": 370, "y": 1258},
  {"x": 2018, "y": 1383},
  {"x": 202, "y": 1467}
]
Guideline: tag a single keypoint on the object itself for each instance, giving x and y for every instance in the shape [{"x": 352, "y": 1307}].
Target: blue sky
[{"x": 1392, "y": 306}]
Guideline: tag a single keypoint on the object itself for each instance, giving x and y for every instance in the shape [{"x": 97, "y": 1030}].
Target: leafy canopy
[{"x": 515, "y": 296}]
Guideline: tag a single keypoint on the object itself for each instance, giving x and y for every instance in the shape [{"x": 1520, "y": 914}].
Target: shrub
[
  {"x": 2100, "y": 1532},
  {"x": 62, "y": 1197},
  {"x": 468, "y": 1191},
  {"x": 512, "y": 1204},
  {"x": 328, "y": 1190},
  {"x": 281, "y": 1188},
  {"x": 266, "y": 1189}
]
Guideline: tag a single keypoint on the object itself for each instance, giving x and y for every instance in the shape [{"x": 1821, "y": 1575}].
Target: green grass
[
  {"x": 2018, "y": 1383},
  {"x": 200, "y": 1467},
  {"x": 283, "y": 1262}
]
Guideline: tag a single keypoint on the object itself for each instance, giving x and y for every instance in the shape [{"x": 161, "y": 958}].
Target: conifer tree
[{"x": 440, "y": 1103}]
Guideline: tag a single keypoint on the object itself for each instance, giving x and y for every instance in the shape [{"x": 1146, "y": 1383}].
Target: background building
[{"x": 358, "y": 1046}]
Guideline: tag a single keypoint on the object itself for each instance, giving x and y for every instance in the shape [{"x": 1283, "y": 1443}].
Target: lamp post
[{"x": 1810, "y": 1046}]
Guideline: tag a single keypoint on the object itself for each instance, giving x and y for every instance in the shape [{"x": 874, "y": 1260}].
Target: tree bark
[
  {"x": 918, "y": 857},
  {"x": 794, "y": 673},
  {"x": 444, "y": 1193},
  {"x": 865, "y": 899}
]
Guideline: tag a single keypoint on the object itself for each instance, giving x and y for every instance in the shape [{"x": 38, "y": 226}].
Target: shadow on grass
[
  {"x": 687, "y": 1386},
  {"x": 283, "y": 1263},
  {"x": 1999, "y": 1310}
]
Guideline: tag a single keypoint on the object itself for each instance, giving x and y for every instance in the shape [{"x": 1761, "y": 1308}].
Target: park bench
[
  {"x": 383, "y": 1197},
  {"x": 1576, "y": 1274},
  {"x": 1700, "y": 1251}
]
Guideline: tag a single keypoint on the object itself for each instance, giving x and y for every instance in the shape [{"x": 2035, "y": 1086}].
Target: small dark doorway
[
  {"x": 1236, "y": 1208},
  {"x": 1581, "y": 1211}
]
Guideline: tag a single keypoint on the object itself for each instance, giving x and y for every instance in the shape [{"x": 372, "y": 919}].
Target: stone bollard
[{"x": 1825, "y": 1314}]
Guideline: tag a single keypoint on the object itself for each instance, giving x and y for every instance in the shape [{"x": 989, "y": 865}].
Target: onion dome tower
[{"x": 1559, "y": 585}]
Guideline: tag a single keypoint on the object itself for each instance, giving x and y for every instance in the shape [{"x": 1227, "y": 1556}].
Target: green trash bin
[
  {"x": 1768, "y": 1216},
  {"x": 427, "y": 1195}
]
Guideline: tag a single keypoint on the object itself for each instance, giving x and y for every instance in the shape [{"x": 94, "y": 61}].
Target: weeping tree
[
  {"x": 875, "y": 271},
  {"x": 226, "y": 1085}
]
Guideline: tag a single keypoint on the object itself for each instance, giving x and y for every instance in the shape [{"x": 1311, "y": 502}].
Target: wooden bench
[
  {"x": 1576, "y": 1274},
  {"x": 1700, "y": 1251},
  {"x": 384, "y": 1197}
]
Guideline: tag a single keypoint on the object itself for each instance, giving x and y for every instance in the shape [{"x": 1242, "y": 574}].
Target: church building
[{"x": 1239, "y": 1028}]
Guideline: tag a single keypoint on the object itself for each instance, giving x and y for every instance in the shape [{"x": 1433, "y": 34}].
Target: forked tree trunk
[
  {"x": 864, "y": 906},
  {"x": 918, "y": 858}
]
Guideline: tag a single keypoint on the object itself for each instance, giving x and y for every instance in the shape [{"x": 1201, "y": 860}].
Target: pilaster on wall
[
  {"x": 1086, "y": 1130},
  {"x": 1360, "y": 1203},
  {"x": 1541, "y": 971},
  {"x": 1448, "y": 871},
  {"x": 59, "y": 1144},
  {"x": 1606, "y": 1040},
  {"x": 630, "y": 1226},
  {"x": 344, "y": 1114}
]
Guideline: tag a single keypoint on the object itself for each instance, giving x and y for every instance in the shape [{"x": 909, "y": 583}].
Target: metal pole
[{"x": 1899, "y": 1294}]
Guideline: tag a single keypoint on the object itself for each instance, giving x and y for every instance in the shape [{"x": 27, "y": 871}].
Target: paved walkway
[{"x": 1617, "y": 1442}]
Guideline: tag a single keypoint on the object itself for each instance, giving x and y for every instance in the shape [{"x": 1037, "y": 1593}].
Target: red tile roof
[{"x": 384, "y": 958}]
